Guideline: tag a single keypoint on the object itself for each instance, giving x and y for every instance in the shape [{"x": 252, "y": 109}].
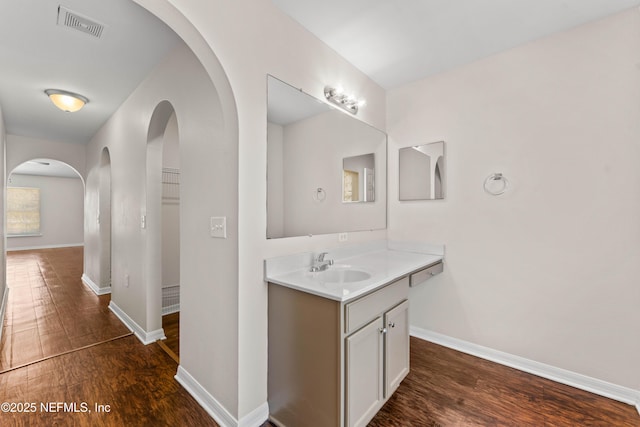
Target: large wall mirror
[
  {"x": 326, "y": 170},
  {"x": 422, "y": 172}
]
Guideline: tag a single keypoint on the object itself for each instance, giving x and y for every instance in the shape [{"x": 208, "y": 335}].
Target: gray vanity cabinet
[
  {"x": 333, "y": 363},
  {"x": 377, "y": 360},
  {"x": 397, "y": 347},
  {"x": 365, "y": 373}
]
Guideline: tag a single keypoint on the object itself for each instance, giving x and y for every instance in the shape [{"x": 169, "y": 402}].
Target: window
[{"x": 23, "y": 211}]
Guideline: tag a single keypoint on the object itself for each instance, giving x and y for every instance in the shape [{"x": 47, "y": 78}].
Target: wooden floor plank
[
  {"x": 135, "y": 380},
  {"x": 171, "y": 326},
  {"x": 449, "y": 388},
  {"x": 49, "y": 311}
]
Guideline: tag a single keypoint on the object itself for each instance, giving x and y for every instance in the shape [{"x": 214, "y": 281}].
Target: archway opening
[
  {"x": 163, "y": 225},
  {"x": 48, "y": 311},
  {"x": 45, "y": 205},
  {"x": 103, "y": 221}
]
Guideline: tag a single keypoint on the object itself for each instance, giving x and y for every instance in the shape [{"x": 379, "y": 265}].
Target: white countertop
[{"x": 383, "y": 264}]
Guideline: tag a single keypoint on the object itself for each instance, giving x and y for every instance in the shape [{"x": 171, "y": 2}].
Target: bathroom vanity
[
  {"x": 338, "y": 321},
  {"x": 339, "y": 338}
]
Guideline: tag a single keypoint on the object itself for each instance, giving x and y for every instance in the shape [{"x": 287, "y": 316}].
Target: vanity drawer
[
  {"x": 363, "y": 310},
  {"x": 425, "y": 274}
]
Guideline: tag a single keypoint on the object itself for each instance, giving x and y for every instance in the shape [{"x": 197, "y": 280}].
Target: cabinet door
[
  {"x": 364, "y": 373},
  {"x": 396, "y": 322}
]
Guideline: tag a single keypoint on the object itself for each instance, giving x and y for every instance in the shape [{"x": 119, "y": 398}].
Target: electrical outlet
[
  {"x": 126, "y": 280},
  {"x": 218, "y": 227},
  {"x": 343, "y": 237}
]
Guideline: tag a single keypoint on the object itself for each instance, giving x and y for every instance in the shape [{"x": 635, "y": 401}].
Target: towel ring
[
  {"x": 319, "y": 194},
  {"x": 494, "y": 189}
]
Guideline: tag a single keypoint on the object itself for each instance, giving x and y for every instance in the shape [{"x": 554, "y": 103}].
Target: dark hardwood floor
[
  {"x": 444, "y": 387},
  {"x": 449, "y": 388},
  {"x": 61, "y": 344},
  {"x": 134, "y": 380},
  {"x": 171, "y": 326},
  {"x": 49, "y": 310}
]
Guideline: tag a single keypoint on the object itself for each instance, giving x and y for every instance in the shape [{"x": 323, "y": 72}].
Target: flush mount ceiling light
[
  {"x": 66, "y": 101},
  {"x": 342, "y": 100}
]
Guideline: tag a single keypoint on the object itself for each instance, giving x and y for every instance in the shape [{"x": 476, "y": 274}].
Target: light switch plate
[{"x": 219, "y": 227}]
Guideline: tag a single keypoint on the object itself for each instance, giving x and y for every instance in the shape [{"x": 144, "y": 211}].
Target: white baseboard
[
  {"x": 3, "y": 308},
  {"x": 563, "y": 376},
  {"x": 255, "y": 418},
  {"x": 33, "y": 248},
  {"x": 144, "y": 336},
  {"x": 205, "y": 399},
  {"x": 95, "y": 288}
]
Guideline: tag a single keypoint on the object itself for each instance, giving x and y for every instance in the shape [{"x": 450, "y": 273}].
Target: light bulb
[{"x": 66, "y": 101}]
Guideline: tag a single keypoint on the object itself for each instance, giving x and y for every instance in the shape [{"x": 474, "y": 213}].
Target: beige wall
[
  {"x": 248, "y": 37},
  {"x": 548, "y": 271},
  {"x": 209, "y": 188},
  {"x": 23, "y": 148},
  {"x": 542, "y": 268},
  {"x": 275, "y": 181},
  {"x": 61, "y": 211}
]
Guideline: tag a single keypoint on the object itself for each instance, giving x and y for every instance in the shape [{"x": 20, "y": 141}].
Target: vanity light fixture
[
  {"x": 347, "y": 102},
  {"x": 68, "y": 102}
]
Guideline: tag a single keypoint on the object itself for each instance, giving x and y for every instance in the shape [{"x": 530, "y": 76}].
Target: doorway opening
[
  {"x": 49, "y": 311},
  {"x": 45, "y": 205},
  {"x": 163, "y": 225},
  {"x": 104, "y": 223}
]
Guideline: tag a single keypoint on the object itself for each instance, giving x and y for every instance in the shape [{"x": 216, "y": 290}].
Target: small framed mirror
[
  {"x": 422, "y": 172},
  {"x": 358, "y": 178}
]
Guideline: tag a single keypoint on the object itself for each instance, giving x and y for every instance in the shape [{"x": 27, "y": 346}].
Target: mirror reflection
[
  {"x": 310, "y": 145},
  {"x": 358, "y": 178},
  {"x": 422, "y": 172}
]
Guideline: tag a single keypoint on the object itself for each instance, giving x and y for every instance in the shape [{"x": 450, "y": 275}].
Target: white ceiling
[
  {"x": 38, "y": 54},
  {"x": 286, "y": 105},
  {"x": 46, "y": 167},
  {"x": 399, "y": 41},
  {"x": 392, "y": 41}
]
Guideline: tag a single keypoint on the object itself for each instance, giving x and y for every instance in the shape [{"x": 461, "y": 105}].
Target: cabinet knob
[
  {"x": 392, "y": 325},
  {"x": 383, "y": 330}
]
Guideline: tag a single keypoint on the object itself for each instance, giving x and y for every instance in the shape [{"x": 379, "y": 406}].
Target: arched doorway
[
  {"x": 45, "y": 224},
  {"x": 104, "y": 222},
  {"x": 45, "y": 205},
  {"x": 209, "y": 188},
  {"x": 123, "y": 245},
  {"x": 163, "y": 225}
]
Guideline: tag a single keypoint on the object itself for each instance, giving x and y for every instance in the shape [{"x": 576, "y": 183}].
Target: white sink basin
[{"x": 340, "y": 275}]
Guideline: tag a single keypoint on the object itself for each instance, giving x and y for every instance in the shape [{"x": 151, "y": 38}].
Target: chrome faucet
[{"x": 320, "y": 264}]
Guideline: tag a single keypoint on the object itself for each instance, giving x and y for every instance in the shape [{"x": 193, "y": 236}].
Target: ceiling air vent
[{"x": 71, "y": 19}]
